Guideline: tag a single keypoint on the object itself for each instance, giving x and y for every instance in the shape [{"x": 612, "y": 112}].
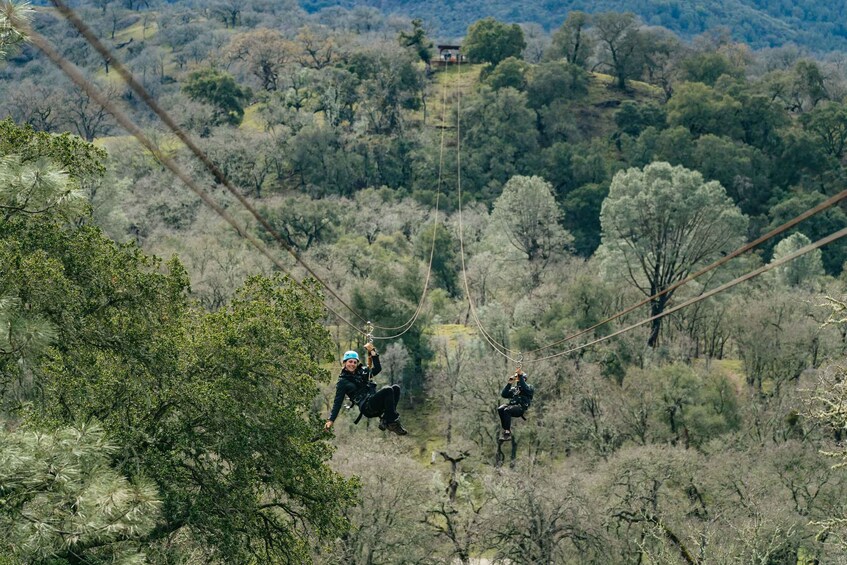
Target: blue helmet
[{"x": 350, "y": 355}]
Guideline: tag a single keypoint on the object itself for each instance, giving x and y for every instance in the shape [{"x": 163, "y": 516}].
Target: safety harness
[{"x": 368, "y": 389}]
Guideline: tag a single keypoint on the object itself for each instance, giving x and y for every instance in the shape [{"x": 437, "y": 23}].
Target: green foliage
[
  {"x": 220, "y": 90},
  {"x": 553, "y": 81},
  {"x": 774, "y": 350},
  {"x": 80, "y": 159},
  {"x": 417, "y": 41},
  {"x": 393, "y": 300},
  {"x": 674, "y": 145},
  {"x": 581, "y": 216},
  {"x": 218, "y": 408},
  {"x": 828, "y": 124},
  {"x": 799, "y": 159},
  {"x": 572, "y": 41},
  {"x": 632, "y": 118},
  {"x": 303, "y": 222},
  {"x": 688, "y": 406},
  {"x": 762, "y": 121},
  {"x": 389, "y": 83},
  {"x": 702, "y": 110},
  {"x": 622, "y": 45},
  {"x": 321, "y": 164},
  {"x": 569, "y": 166},
  {"x": 510, "y": 72},
  {"x": 762, "y": 24},
  {"x": 395, "y": 85},
  {"x": 527, "y": 214},
  {"x": 60, "y": 502},
  {"x": 436, "y": 241},
  {"x": 801, "y": 271},
  {"x": 490, "y": 41},
  {"x": 740, "y": 168},
  {"x": 10, "y": 36},
  {"x": 31, "y": 193},
  {"x": 708, "y": 67},
  {"x": 799, "y": 88},
  {"x": 36, "y": 188},
  {"x": 820, "y": 225},
  {"x": 214, "y": 408},
  {"x": 500, "y": 140}
]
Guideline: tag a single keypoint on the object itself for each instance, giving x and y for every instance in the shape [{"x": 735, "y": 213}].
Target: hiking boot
[
  {"x": 396, "y": 428},
  {"x": 506, "y": 435},
  {"x": 382, "y": 424}
]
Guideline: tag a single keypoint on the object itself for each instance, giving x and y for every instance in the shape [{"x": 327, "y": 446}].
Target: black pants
[
  {"x": 383, "y": 404},
  {"x": 506, "y": 411}
]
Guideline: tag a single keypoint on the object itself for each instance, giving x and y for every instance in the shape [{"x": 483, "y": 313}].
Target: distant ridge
[{"x": 817, "y": 26}]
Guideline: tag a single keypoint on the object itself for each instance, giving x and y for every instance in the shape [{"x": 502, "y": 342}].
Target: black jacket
[
  {"x": 354, "y": 385},
  {"x": 521, "y": 393}
]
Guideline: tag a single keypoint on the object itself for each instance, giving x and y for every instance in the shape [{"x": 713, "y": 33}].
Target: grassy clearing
[
  {"x": 168, "y": 144},
  {"x": 733, "y": 369},
  {"x": 449, "y": 84},
  {"x": 251, "y": 119},
  {"x": 452, "y": 331},
  {"x": 141, "y": 30},
  {"x": 596, "y": 112},
  {"x": 596, "y": 109}
]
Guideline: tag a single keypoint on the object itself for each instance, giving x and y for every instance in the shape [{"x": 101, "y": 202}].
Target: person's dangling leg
[
  {"x": 396, "y": 389},
  {"x": 505, "y": 418},
  {"x": 384, "y": 403},
  {"x": 506, "y": 412},
  {"x": 392, "y": 418}
]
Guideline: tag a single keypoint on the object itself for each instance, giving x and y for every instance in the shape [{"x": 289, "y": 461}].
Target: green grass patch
[
  {"x": 168, "y": 144},
  {"x": 448, "y": 84},
  {"x": 139, "y": 31},
  {"x": 733, "y": 369},
  {"x": 251, "y": 120},
  {"x": 452, "y": 330}
]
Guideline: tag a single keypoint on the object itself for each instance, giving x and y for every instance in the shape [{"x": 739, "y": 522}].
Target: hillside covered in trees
[{"x": 165, "y": 379}]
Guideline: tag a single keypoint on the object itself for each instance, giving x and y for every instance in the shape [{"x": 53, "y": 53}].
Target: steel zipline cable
[
  {"x": 498, "y": 347},
  {"x": 411, "y": 322},
  {"x": 726, "y": 286},
  {"x": 127, "y": 123},
  {"x": 828, "y": 203}
]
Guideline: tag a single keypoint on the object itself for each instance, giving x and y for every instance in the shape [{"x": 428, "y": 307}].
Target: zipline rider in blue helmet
[{"x": 355, "y": 382}]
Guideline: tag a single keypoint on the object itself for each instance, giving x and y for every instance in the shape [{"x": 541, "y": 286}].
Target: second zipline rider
[
  {"x": 355, "y": 382},
  {"x": 519, "y": 393}
]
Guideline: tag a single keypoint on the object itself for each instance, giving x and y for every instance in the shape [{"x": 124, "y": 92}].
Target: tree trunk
[{"x": 657, "y": 306}]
